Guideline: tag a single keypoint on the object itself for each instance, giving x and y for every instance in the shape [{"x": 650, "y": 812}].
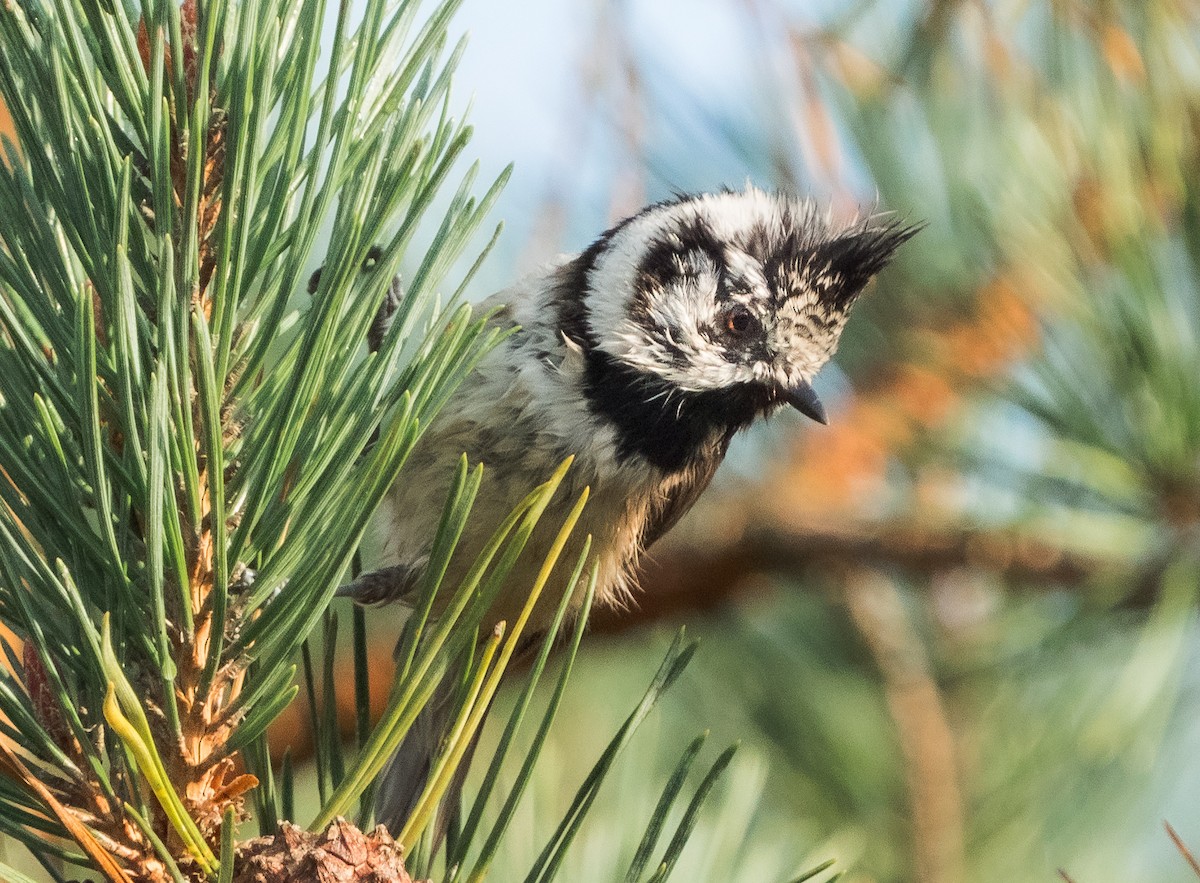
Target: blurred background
[{"x": 954, "y": 630}]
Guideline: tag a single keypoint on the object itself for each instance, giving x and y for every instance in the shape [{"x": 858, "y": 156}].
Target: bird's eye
[{"x": 740, "y": 322}]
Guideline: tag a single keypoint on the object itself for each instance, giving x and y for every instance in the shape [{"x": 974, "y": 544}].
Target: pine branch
[
  {"x": 682, "y": 577},
  {"x": 182, "y": 437}
]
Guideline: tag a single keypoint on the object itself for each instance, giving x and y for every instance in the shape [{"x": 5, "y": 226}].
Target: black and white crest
[{"x": 704, "y": 312}]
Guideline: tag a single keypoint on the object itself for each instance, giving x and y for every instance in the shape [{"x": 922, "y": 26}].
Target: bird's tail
[{"x": 403, "y": 780}]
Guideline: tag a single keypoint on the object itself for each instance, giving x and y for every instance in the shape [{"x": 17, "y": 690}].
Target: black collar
[{"x": 667, "y": 426}]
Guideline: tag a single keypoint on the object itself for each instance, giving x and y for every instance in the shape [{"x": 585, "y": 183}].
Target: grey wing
[
  {"x": 667, "y": 510},
  {"x": 499, "y": 305}
]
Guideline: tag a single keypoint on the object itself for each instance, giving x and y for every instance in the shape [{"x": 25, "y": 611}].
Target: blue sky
[{"x": 524, "y": 68}]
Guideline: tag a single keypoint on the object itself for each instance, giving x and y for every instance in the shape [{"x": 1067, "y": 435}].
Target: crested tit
[{"x": 642, "y": 356}]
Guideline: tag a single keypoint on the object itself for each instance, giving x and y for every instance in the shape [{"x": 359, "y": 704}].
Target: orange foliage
[
  {"x": 1122, "y": 55},
  {"x": 1003, "y": 330},
  {"x": 6, "y": 123},
  {"x": 923, "y": 396},
  {"x": 997, "y": 55},
  {"x": 7, "y": 129},
  {"x": 7, "y": 636},
  {"x": 860, "y": 73},
  {"x": 836, "y": 469}
]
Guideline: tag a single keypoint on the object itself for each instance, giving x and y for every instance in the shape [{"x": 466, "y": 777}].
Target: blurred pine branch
[{"x": 1014, "y": 436}]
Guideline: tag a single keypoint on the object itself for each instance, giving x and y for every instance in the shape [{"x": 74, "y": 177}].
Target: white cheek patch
[
  {"x": 668, "y": 332},
  {"x": 613, "y": 280},
  {"x": 670, "y": 340},
  {"x": 665, "y": 338}
]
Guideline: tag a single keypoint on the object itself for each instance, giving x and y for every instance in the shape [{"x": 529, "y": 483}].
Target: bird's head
[{"x": 741, "y": 294}]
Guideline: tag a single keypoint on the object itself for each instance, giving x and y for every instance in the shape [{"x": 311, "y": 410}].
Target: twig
[
  {"x": 1183, "y": 849},
  {"x": 925, "y": 737},
  {"x": 684, "y": 577},
  {"x": 78, "y": 831}
]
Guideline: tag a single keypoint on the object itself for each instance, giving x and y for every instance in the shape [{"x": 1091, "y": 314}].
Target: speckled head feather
[
  {"x": 700, "y": 314},
  {"x": 732, "y": 288}
]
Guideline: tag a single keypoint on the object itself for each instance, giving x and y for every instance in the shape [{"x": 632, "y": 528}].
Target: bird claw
[{"x": 381, "y": 586}]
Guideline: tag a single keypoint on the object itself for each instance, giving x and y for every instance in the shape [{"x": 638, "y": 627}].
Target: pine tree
[{"x": 193, "y": 436}]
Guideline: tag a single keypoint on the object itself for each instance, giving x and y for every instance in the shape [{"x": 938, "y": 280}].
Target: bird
[{"x": 641, "y": 357}]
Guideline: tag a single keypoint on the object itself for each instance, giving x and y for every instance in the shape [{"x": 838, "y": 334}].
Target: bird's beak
[{"x": 803, "y": 398}]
